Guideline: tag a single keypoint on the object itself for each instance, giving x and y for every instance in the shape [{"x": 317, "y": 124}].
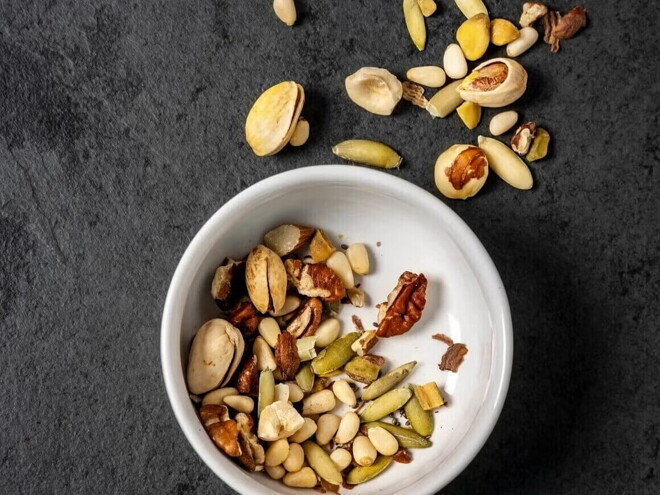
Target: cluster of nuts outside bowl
[
  {"x": 279, "y": 342},
  {"x": 462, "y": 169}
]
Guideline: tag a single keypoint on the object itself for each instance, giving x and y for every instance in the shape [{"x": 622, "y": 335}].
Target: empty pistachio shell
[
  {"x": 506, "y": 164},
  {"x": 503, "y": 32},
  {"x": 374, "y": 89},
  {"x": 415, "y": 23},
  {"x": 419, "y": 419},
  {"x": 445, "y": 101},
  {"x": 273, "y": 117},
  {"x": 495, "y": 83},
  {"x": 385, "y": 404},
  {"x": 474, "y": 36},
  {"x": 461, "y": 171},
  {"x": 335, "y": 355},
  {"x": 301, "y": 133},
  {"x": 407, "y": 438},
  {"x": 427, "y": 75},
  {"x": 454, "y": 62},
  {"x": 502, "y": 122},
  {"x": 266, "y": 280},
  {"x": 368, "y": 152},
  {"x": 388, "y": 381},
  {"x": 320, "y": 462},
  {"x": 471, "y": 7},
  {"x": 362, "y": 474},
  {"x": 285, "y": 11},
  {"x": 528, "y": 36}
]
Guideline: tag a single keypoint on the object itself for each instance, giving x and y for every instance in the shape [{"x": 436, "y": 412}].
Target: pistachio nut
[
  {"x": 385, "y": 404},
  {"x": 265, "y": 278},
  {"x": 407, "y": 438},
  {"x": 495, "y": 83},
  {"x": 388, "y": 381},
  {"x": 362, "y": 369},
  {"x": 215, "y": 353},
  {"x": 506, "y": 164},
  {"x": 540, "y": 145},
  {"x": 461, "y": 171},
  {"x": 362, "y": 474},
  {"x": 374, "y": 89}
]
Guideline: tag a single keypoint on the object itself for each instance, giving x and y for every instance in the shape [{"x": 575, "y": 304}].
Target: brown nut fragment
[
  {"x": 321, "y": 247},
  {"x": 285, "y": 239},
  {"x": 414, "y": 93},
  {"x": 558, "y": 27},
  {"x": 365, "y": 342},
  {"x": 286, "y": 355},
  {"x": 265, "y": 278},
  {"x": 532, "y": 12},
  {"x": 213, "y": 413},
  {"x": 248, "y": 379},
  {"x": 252, "y": 454},
  {"x": 453, "y": 357},
  {"x": 225, "y": 437},
  {"x": 228, "y": 283},
  {"x": 315, "y": 280},
  {"x": 307, "y": 319},
  {"x": 523, "y": 138},
  {"x": 402, "y": 456},
  {"x": 404, "y": 305},
  {"x": 244, "y": 316},
  {"x": 356, "y": 296}
]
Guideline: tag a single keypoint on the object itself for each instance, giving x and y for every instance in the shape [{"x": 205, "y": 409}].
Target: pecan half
[
  {"x": 307, "y": 319},
  {"x": 404, "y": 305},
  {"x": 225, "y": 437},
  {"x": 244, "y": 316},
  {"x": 315, "y": 280},
  {"x": 213, "y": 413},
  {"x": 286, "y": 355},
  {"x": 248, "y": 379},
  {"x": 228, "y": 283},
  {"x": 523, "y": 138}
]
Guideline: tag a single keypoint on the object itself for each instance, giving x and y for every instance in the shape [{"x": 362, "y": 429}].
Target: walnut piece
[
  {"x": 404, "y": 305},
  {"x": 523, "y": 137},
  {"x": 228, "y": 283},
  {"x": 248, "y": 379},
  {"x": 307, "y": 318},
  {"x": 286, "y": 355},
  {"x": 244, "y": 316},
  {"x": 315, "y": 280},
  {"x": 225, "y": 437},
  {"x": 558, "y": 27},
  {"x": 213, "y": 413},
  {"x": 532, "y": 12}
]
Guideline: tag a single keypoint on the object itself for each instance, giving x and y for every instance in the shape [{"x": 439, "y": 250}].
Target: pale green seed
[
  {"x": 388, "y": 381},
  {"x": 385, "y": 404},
  {"x": 362, "y": 474},
  {"x": 407, "y": 437},
  {"x": 420, "y": 420}
]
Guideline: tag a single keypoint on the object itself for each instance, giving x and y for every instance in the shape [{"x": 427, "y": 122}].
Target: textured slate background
[{"x": 121, "y": 133}]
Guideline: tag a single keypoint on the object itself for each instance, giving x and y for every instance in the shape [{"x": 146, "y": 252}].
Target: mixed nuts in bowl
[{"x": 388, "y": 233}]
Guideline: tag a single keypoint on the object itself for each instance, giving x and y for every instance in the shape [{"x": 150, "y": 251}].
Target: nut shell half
[
  {"x": 495, "y": 83},
  {"x": 461, "y": 171},
  {"x": 374, "y": 89}
]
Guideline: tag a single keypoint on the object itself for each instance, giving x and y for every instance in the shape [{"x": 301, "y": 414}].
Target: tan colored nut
[
  {"x": 287, "y": 238},
  {"x": 383, "y": 441},
  {"x": 301, "y": 134},
  {"x": 454, "y": 62},
  {"x": 376, "y": 90},
  {"x": 265, "y": 356},
  {"x": 495, "y": 83},
  {"x": 277, "y": 452},
  {"x": 339, "y": 264},
  {"x": 327, "y": 427},
  {"x": 470, "y": 113},
  {"x": 474, "y": 36},
  {"x": 327, "y": 332},
  {"x": 344, "y": 392},
  {"x": 415, "y": 23},
  {"x": 356, "y": 296},
  {"x": 241, "y": 403},
  {"x": 295, "y": 392},
  {"x": 275, "y": 472},
  {"x": 532, "y": 12},
  {"x": 281, "y": 392},
  {"x": 295, "y": 459},
  {"x": 348, "y": 428},
  {"x": 305, "y": 478},
  {"x": 502, "y": 122},
  {"x": 506, "y": 164},
  {"x": 461, "y": 171},
  {"x": 213, "y": 413},
  {"x": 306, "y": 431},
  {"x": 315, "y": 280},
  {"x": 278, "y": 420},
  {"x": 291, "y": 303},
  {"x": 364, "y": 452},
  {"x": 321, "y": 247},
  {"x": 342, "y": 458},
  {"x": 285, "y": 10},
  {"x": 523, "y": 137},
  {"x": 368, "y": 152},
  {"x": 269, "y": 330},
  {"x": 228, "y": 282},
  {"x": 445, "y": 101},
  {"x": 528, "y": 37},
  {"x": 430, "y": 76},
  {"x": 471, "y": 8},
  {"x": 503, "y": 32},
  {"x": 217, "y": 396},
  {"x": 428, "y": 7},
  {"x": 266, "y": 280},
  {"x": 318, "y": 403},
  {"x": 358, "y": 257},
  {"x": 365, "y": 343}
]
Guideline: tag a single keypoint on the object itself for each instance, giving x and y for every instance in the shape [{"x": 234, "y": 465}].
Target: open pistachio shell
[
  {"x": 495, "y": 83},
  {"x": 374, "y": 89}
]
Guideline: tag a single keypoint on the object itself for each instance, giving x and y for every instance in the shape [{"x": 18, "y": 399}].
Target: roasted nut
[
  {"x": 365, "y": 343},
  {"x": 364, "y": 452},
  {"x": 342, "y": 458},
  {"x": 414, "y": 93},
  {"x": 474, "y": 36},
  {"x": 315, "y": 280},
  {"x": 291, "y": 303},
  {"x": 244, "y": 316},
  {"x": 305, "y": 478},
  {"x": 228, "y": 283},
  {"x": 362, "y": 474},
  {"x": 445, "y": 101},
  {"x": 248, "y": 378},
  {"x": 215, "y": 353},
  {"x": 502, "y": 122},
  {"x": 307, "y": 319},
  {"x": 348, "y": 428},
  {"x": 321, "y": 463},
  {"x": 301, "y": 133},
  {"x": 420, "y": 419},
  {"x": 461, "y": 171},
  {"x": 266, "y": 395},
  {"x": 503, "y": 32},
  {"x": 270, "y": 331},
  {"x": 388, "y": 381},
  {"x": 286, "y": 355},
  {"x": 495, "y": 83},
  {"x": 216, "y": 397},
  {"x": 406, "y": 437},
  {"x": 454, "y": 62},
  {"x": 383, "y": 441},
  {"x": 327, "y": 332},
  {"x": 470, "y": 8},
  {"x": 241, "y": 403},
  {"x": 429, "y": 396},
  {"x": 277, "y": 452},
  {"x": 344, "y": 392},
  {"x": 523, "y": 137},
  {"x": 540, "y": 145},
  {"x": 285, "y": 10},
  {"x": 558, "y": 27},
  {"x": 306, "y": 431},
  {"x": 528, "y": 36},
  {"x": 273, "y": 117},
  {"x": 213, "y": 413},
  {"x": 430, "y": 76},
  {"x": 415, "y": 23},
  {"x": 532, "y": 12},
  {"x": 327, "y": 427},
  {"x": 334, "y": 356},
  {"x": 404, "y": 305},
  {"x": 279, "y": 420},
  {"x": 225, "y": 436},
  {"x": 266, "y": 280},
  {"x": 296, "y": 458},
  {"x": 318, "y": 403},
  {"x": 470, "y": 113},
  {"x": 287, "y": 238},
  {"x": 321, "y": 247},
  {"x": 374, "y": 89},
  {"x": 368, "y": 153},
  {"x": 506, "y": 164},
  {"x": 342, "y": 268}
]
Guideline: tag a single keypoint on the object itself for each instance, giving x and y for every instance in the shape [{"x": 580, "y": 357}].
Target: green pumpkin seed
[
  {"x": 362, "y": 370},
  {"x": 387, "y": 382},
  {"x": 385, "y": 404},
  {"x": 420, "y": 420},
  {"x": 320, "y": 462},
  {"x": 335, "y": 355},
  {"x": 407, "y": 437},
  {"x": 362, "y": 474}
]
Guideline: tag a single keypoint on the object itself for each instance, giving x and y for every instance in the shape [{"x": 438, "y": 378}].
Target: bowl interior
[{"x": 405, "y": 228}]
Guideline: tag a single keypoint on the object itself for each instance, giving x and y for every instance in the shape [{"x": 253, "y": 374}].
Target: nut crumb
[
  {"x": 344, "y": 246},
  {"x": 453, "y": 357},
  {"x": 443, "y": 338},
  {"x": 378, "y": 244},
  {"x": 358, "y": 323}
]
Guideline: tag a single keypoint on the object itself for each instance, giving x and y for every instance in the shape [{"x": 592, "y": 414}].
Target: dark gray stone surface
[{"x": 121, "y": 132}]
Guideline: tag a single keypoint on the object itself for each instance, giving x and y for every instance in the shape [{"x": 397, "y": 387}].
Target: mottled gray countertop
[{"x": 121, "y": 132}]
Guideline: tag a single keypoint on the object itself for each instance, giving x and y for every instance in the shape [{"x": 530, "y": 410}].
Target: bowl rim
[{"x": 486, "y": 272}]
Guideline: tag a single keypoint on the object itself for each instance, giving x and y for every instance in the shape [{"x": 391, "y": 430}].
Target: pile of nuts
[
  {"x": 272, "y": 374},
  {"x": 495, "y": 83}
]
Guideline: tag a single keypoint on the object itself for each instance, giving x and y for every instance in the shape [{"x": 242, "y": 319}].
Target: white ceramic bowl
[{"x": 416, "y": 232}]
